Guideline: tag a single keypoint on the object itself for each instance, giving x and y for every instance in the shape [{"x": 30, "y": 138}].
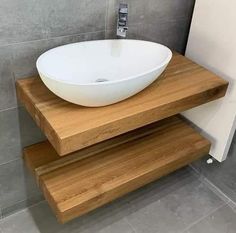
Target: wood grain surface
[
  {"x": 70, "y": 127},
  {"x": 84, "y": 183}
]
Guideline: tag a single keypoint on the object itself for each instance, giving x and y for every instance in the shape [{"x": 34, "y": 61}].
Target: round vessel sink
[{"x": 99, "y": 73}]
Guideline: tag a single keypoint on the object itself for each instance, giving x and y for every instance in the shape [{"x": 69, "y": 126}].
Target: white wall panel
[{"x": 212, "y": 44}]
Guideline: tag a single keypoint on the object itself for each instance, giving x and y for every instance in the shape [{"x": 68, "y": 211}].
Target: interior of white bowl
[{"x": 102, "y": 61}]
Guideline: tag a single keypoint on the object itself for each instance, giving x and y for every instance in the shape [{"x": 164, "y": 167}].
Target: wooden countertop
[{"x": 70, "y": 127}]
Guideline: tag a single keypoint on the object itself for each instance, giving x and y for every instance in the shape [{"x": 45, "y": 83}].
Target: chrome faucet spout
[{"x": 122, "y": 22}]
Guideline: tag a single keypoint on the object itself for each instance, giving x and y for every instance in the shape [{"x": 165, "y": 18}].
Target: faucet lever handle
[{"x": 123, "y": 9}]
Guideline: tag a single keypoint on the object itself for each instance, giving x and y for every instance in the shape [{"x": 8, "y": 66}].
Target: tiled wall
[
  {"x": 163, "y": 21},
  {"x": 27, "y": 29}
]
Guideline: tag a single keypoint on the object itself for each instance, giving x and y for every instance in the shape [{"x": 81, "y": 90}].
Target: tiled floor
[
  {"x": 181, "y": 202},
  {"x": 223, "y": 175}
]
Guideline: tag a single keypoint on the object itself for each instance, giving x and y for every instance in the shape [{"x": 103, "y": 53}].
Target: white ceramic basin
[{"x": 99, "y": 73}]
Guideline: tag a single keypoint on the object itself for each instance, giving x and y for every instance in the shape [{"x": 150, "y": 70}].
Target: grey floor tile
[
  {"x": 21, "y": 205},
  {"x": 39, "y": 219},
  {"x": 221, "y": 221},
  {"x": 223, "y": 174},
  {"x": 234, "y": 209},
  {"x": 232, "y": 205},
  {"x": 215, "y": 189},
  {"x": 169, "y": 205}
]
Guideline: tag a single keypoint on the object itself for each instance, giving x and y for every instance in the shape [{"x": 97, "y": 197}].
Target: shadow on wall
[
  {"x": 174, "y": 35},
  {"x": 24, "y": 191},
  {"x": 17, "y": 189}
]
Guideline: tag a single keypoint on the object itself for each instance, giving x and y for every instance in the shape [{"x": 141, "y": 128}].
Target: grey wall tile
[
  {"x": 29, "y": 131},
  {"x": 221, "y": 221},
  {"x": 10, "y": 145},
  {"x": 17, "y": 128},
  {"x": 136, "y": 12},
  {"x": 26, "y": 54},
  {"x": 22, "y": 20},
  {"x": 168, "y": 10},
  {"x": 7, "y": 87},
  {"x": 172, "y": 34},
  {"x": 153, "y": 12},
  {"x": 34, "y": 20},
  {"x": 16, "y": 184},
  {"x": 17, "y": 131},
  {"x": 165, "y": 22},
  {"x": 67, "y": 17}
]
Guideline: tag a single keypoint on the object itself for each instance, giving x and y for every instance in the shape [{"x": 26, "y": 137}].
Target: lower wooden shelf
[{"x": 80, "y": 182}]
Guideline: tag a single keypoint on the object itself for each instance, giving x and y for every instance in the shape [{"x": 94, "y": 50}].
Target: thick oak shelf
[
  {"x": 69, "y": 127},
  {"x": 80, "y": 182}
]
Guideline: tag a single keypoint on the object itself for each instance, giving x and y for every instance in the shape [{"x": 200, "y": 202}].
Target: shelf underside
[
  {"x": 87, "y": 179},
  {"x": 70, "y": 127}
]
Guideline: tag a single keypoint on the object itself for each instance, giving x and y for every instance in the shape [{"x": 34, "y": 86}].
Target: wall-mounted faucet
[{"x": 122, "y": 22}]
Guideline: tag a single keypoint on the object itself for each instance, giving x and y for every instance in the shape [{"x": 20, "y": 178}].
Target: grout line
[
  {"x": 23, "y": 210},
  {"x": 194, "y": 169},
  {"x": 213, "y": 187},
  {"x": 131, "y": 226},
  {"x": 193, "y": 172},
  {"x": 6, "y": 109},
  {"x": 11, "y": 108},
  {"x": 16, "y": 211},
  {"x": 50, "y": 38},
  {"x": 232, "y": 205},
  {"x": 36, "y": 204},
  {"x": 13, "y": 160},
  {"x": 216, "y": 190},
  {"x": 26, "y": 207},
  {"x": 203, "y": 217}
]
